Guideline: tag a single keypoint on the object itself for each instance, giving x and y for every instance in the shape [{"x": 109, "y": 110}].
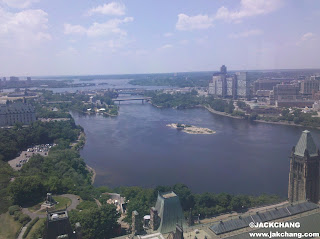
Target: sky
[{"x": 87, "y": 37}]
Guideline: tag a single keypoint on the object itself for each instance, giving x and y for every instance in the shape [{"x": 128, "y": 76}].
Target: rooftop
[
  {"x": 306, "y": 143},
  {"x": 268, "y": 215},
  {"x": 58, "y": 215},
  {"x": 169, "y": 195}
]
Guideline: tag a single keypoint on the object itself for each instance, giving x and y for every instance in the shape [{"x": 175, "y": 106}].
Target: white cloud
[
  {"x": 189, "y": 23},
  {"x": 111, "y": 27},
  {"x": 74, "y": 29},
  {"x": 113, "y": 8},
  {"x": 184, "y": 42},
  {"x": 23, "y": 28},
  {"x": 248, "y": 8},
  {"x": 245, "y": 34},
  {"x": 166, "y": 46},
  {"x": 19, "y": 3},
  {"x": 306, "y": 37},
  {"x": 168, "y": 34}
]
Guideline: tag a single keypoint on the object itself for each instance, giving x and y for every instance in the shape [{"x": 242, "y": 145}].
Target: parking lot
[{"x": 24, "y": 156}]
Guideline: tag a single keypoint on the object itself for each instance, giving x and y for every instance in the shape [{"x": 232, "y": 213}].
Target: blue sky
[{"x": 73, "y": 37}]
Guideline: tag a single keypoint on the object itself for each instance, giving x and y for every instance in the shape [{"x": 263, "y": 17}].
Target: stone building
[
  {"x": 136, "y": 223},
  {"x": 16, "y": 112},
  {"x": 304, "y": 170},
  {"x": 59, "y": 226}
]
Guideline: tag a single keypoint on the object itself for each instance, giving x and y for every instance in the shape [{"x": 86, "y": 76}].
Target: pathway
[{"x": 74, "y": 203}]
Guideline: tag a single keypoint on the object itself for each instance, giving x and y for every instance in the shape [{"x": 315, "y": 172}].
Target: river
[{"x": 136, "y": 148}]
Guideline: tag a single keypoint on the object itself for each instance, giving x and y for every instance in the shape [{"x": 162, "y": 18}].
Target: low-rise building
[
  {"x": 11, "y": 114},
  {"x": 288, "y": 95}
]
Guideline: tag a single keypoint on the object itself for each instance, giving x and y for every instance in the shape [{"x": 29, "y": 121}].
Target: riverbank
[
  {"x": 79, "y": 145},
  {"x": 94, "y": 174},
  {"x": 259, "y": 121},
  {"x": 220, "y": 113}
]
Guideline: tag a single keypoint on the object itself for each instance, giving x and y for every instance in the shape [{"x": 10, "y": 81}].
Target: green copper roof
[
  {"x": 170, "y": 211},
  {"x": 306, "y": 142}
]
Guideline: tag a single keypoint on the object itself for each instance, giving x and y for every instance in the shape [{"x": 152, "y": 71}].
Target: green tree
[
  {"x": 97, "y": 223},
  {"x": 253, "y": 116},
  {"x": 28, "y": 189},
  {"x": 185, "y": 195}
]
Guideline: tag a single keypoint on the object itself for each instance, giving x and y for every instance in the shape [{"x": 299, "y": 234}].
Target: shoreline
[
  {"x": 259, "y": 121},
  {"x": 94, "y": 174},
  {"x": 241, "y": 118},
  {"x": 191, "y": 129}
]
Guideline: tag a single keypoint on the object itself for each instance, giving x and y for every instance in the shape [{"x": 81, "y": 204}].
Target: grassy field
[
  {"x": 34, "y": 231},
  {"x": 8, "y": 226},
  {"x": 61, "y": 204}
]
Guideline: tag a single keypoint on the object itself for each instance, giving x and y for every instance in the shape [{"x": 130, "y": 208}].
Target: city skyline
[{"x": 122, "y": 37}]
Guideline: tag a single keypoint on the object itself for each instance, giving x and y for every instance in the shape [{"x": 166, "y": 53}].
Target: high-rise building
[
  {"x": 14, "y": 78},
  {"x": 234, "y": 86},
  {"x": 229, "y": 86},
  {"x": 212, "y": 88},
  {"x": 223, "y": 69},
  {"x": 309, "y": 86},
  {"x": 315, "y": 78},
  {"x": 243, "y": 85},
  {"x": 218, "y": 85},
  {"x": 304, "y": 170}
]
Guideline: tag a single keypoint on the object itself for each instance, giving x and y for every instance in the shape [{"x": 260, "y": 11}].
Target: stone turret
[
  {"x": 304, "y": 170},
  {"x": 136, "y": 224}
]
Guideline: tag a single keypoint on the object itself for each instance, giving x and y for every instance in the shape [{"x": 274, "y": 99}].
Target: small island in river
[{"x": 190, "y": 129}]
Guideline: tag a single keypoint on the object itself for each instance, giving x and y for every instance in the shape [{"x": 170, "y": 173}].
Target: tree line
[{"x": 17, "y": 139}]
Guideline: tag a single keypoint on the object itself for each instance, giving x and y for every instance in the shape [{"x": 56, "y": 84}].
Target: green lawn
[
  {"x": 61, "y": 204},
  {"x": 8, "y": 226},
  {"x": 34, "y": 233}
]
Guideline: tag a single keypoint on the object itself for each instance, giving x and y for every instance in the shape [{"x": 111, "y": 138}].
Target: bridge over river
[
  {"x": 130, "y": 99},
  {"x": 130, "y": 91}
]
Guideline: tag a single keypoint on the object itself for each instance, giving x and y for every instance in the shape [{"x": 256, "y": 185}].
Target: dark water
[{"x": 137, "y": 148}]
